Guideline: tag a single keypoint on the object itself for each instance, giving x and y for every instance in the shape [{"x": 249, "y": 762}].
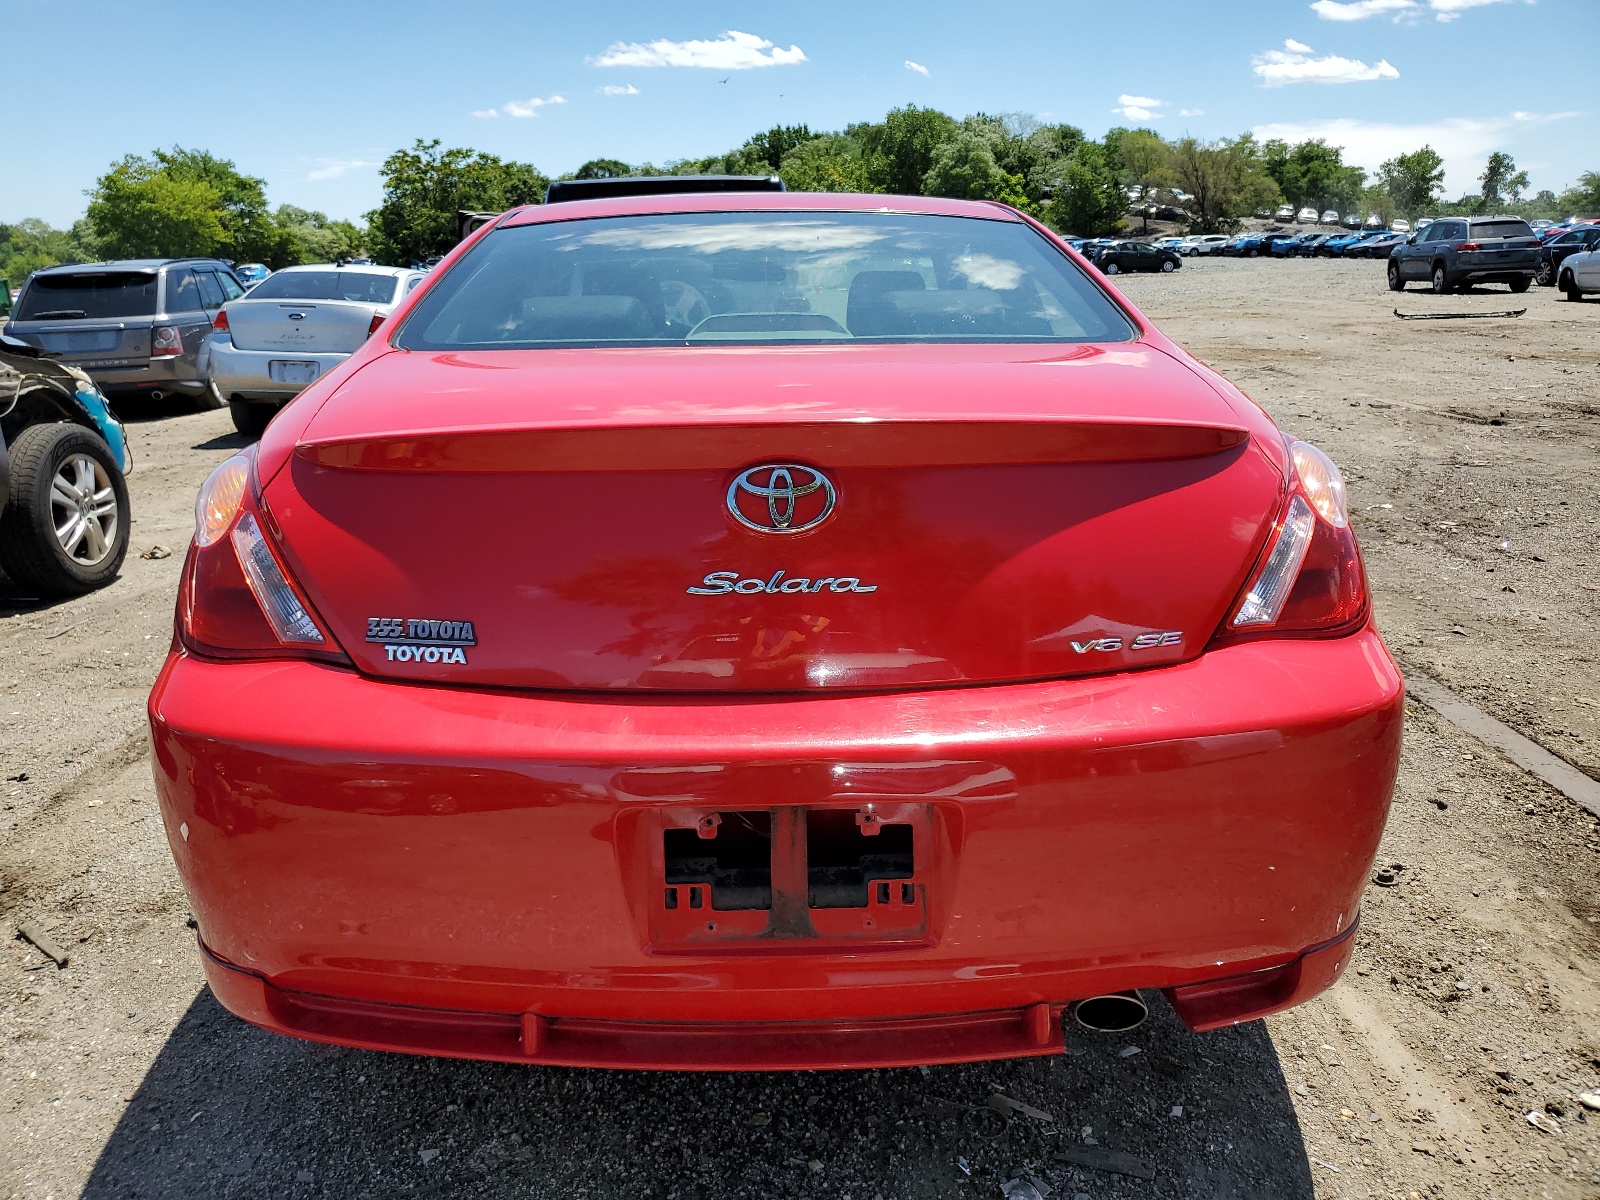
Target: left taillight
[
  {"x": 166, "y": 341},
  {"x": 237, "y": 599},
  {"x": 1311, "y": 582},
  {"x": 372, "y": 325}
]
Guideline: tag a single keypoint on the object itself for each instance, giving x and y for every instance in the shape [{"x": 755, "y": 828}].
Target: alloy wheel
[{"x": 83, "y": 508}]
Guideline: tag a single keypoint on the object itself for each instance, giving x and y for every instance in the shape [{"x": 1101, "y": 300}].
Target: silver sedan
[{"x": 292, "y": 328}]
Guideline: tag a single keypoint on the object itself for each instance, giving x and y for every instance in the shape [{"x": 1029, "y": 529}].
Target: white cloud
[
  {"x": 530, "y": 107},
  {"x": 332, "y": 168},
  {"x": 1139, "y": 108},
  {"x": 733, "y": 51},
  {"x": 484, "y": 113},
  {"x": 1462, "y": 142},
  {"x": 1191, "y": 112},
  {"x": 1361, "y": 10},
  {"x": 1451, "y": 10},
  {"x": 917, "y": 67},
  {"x": 1295, "y": 64},
  {"x": 620, "y": 89}
]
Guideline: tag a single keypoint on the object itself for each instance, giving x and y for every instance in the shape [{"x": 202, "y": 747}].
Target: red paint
[{"x": 468, "y": 857}]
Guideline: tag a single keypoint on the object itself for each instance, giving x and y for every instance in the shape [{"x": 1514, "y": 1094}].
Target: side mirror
[{"x": 1412, "y": 240}]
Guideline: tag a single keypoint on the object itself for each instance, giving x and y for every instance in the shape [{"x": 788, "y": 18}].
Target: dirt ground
[{"x": 1471, "y": 450}]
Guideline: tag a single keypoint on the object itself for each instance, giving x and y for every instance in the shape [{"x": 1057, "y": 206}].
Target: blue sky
[{"x": 311, "y": 97}]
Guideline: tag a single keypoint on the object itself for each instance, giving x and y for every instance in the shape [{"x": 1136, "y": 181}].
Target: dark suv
[
  {"x": 136, "y": 326},
  {"x": 1454, "y": 251}
]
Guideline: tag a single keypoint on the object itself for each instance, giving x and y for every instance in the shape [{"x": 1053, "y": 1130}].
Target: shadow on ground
[{"x": 230, "y": 1111}]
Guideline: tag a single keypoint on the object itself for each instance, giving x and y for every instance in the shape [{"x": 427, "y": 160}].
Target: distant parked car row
[{"x": 189, "y": 328}]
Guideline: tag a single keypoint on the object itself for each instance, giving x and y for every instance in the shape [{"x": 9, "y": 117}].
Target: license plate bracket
[{"x": 283, "y": 370}]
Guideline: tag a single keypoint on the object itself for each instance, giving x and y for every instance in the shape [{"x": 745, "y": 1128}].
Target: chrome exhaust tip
[
  {"x": 157, "y": 394},
  {"x": 1117, "y": 1012}
]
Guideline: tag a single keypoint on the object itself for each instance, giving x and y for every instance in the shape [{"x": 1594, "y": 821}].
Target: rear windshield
[
  {"x": 73, "y": 297},
  {"x": 1501, "y": 229},
  {"x": 368, "y": 287},
  {"x": 761, "y": 278}
]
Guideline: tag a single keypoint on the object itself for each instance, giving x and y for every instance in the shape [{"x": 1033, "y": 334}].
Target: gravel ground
[{"x": 1470, "y": 447}]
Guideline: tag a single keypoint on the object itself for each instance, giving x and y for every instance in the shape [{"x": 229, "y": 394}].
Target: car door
[{"x": 1406, "y": 260}]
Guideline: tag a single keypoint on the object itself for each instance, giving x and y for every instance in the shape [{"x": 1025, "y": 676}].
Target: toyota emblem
[{"x": 781, "y": 498}]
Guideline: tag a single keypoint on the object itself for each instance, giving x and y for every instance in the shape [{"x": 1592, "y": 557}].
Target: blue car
[{"x": 251, "y": 274}]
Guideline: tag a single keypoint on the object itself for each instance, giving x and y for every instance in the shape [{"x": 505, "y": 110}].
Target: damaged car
[{"x": 63, "y": 460}]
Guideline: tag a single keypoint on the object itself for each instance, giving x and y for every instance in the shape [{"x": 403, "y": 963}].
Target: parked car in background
[
  {"x": 64, "y": 514},
  {"x": 551, "y": 687},
  {"x": 1351, "y": 220},
  {"x": 1288, "y": 247},
  {"x": 1377, "y": 245},
  {"x": 251, "y": 274},
  {"x": 1284, "y": 212},
  {"x": 1399, "y": 225},
  {"x": 1136, "y": 256},
  {"x": 1455, "y": 251},
  {"x": 1579, "y": 274},
  {"x": 1561, "y": 247},
  {"x": 1306, "y": 216},
  {"x": 1331, "y": 217},
  {"x": 1174, "y": 244},
  {"x": 136, "y": 326},
  {"x": 1205, "y": 244},
  {"x": 1374, "y": 221},
  {"x": 294, "y": 327},
  {"x": 1540, "y": 224}
]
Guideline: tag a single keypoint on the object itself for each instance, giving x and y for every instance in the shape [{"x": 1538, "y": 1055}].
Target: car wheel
[
  {"x": 1569, "y": 286},
  {"x": 1111, "y": 267},
  {"x": 65, "y": 530},
  {"x": 1255, "y": 254},
  {"x": 1168, "y": 266},
  {"x": 1520, "y": 285},
  {"x": 1396, "y": 284},
  {"x": 210, "y": 399},
  {"x": 1441, "y": 284},
  {"x": 1545, "y": 276},
  {"x": 251, "y": 419}
]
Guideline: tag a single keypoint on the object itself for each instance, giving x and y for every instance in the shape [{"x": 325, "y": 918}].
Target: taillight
[
  {"x": 237, "y": 599},
  {"x": 1311, "y": 582},
  {"x": 372, "y": 326},
  {"x": 1470, "y": 246},
  {"x": 220, "y": 321},
  {"x": 166, "y": 342}
]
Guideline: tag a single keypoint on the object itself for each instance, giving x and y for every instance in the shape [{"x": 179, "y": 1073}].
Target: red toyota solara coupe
[{"x": 760, "y": 630}]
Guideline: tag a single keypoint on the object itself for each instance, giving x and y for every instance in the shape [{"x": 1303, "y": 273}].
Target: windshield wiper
[{"x": 59, "y": 313}]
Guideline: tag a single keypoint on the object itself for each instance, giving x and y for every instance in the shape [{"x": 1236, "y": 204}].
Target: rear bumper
[
  {"x": 246, "y": 374},
  {"x": 353, "y": 846}
]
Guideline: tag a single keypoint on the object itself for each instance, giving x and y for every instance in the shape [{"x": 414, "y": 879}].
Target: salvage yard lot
[{"x": 1473, "y": 998}]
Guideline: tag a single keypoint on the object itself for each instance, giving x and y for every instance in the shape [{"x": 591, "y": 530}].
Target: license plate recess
[{"x": 802, "y": 875}]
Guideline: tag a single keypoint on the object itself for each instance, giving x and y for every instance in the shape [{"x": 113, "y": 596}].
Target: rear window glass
[
  {"x": 753, "y": 278},
  {"x": 68, "y": 297},
  {"x": 367, "y": 287},
  {"x": 1501, "y": 229}
]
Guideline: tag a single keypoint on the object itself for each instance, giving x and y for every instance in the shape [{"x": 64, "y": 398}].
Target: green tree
[
  {"x": 1312, "y": 173},
  {"x": 1144, "y": 161},
  {"x": 964, "y": 168},
  {"x": 900, "y": 150},
  {"x": 1501, "y": 181},
  {"x": 177, "y": 202},
  {"x": 1227, "y": 179},
  {"x": 1413, "y": 180},
  {"x": 424, "y": 188},
  {"x": 310, "y": 237},
  {"x": 31, "y": 245},
  {"x": 1585, "y": 197},
  {"x": 603, "y": 168},
  {"x": 766, "y": 151},
  {"x": 828, "y": 163},
  {"x": 1086, "y": 197}
]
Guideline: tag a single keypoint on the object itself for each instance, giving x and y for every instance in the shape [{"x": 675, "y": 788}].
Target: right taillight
[
  {"x": 236, "y": 599},
  {"x": 1311, "y": 582},
  {"x": 166, "y": 341}
]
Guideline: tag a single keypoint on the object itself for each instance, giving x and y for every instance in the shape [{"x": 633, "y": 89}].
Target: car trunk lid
[
  {"x": 562, "y": 519},
  {"x": 90, "y": 319},
  {"x": 300, "y": 326}
]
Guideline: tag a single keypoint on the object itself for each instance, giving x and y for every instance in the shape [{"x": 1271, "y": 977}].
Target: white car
[
  {"x": 293, "y": 327},
  {"x": 1580, "y": 274},
  {"x": 1175, "y": 244},
  {"x": 1204, "y": 243},
  {"x": 1331, "y": 217},
  {"x": 1399, "y": 225},
  {"x": 1307, "y": 216}
]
